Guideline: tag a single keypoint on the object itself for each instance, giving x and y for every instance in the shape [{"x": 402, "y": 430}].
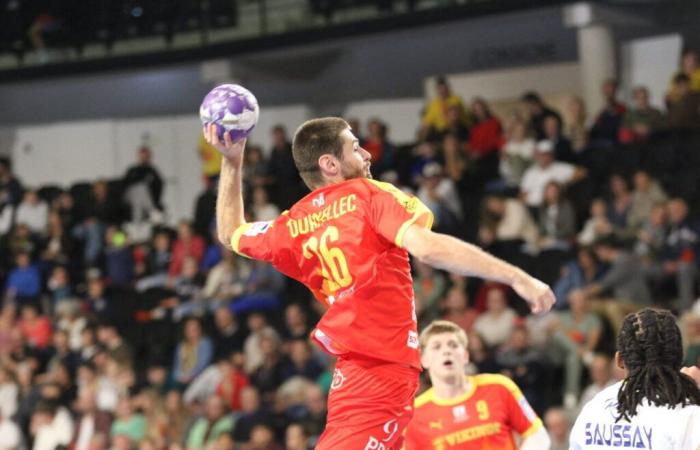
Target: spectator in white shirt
[
  {"x": 496, "y": 323},
  {"x": 8, "y": 394},
  {"x": 51, "y": 426},
  {"x": 10, "y": 434},
  {"x": 34, "y": 212},
  {"x": 545, "y": 170},
  {"x": 263, "y": 210}
]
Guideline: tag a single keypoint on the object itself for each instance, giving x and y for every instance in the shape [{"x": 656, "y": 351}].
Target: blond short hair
[{"x": 440, "y": 327}]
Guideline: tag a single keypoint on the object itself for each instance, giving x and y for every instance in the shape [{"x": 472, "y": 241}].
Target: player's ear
[
  {"x": 618, "y": 361},
  {"x": 329, "y": 164},
  {"x": 424, "y": 360}
]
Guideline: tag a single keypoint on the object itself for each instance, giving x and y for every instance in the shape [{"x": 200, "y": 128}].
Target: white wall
[
  {"x": 402, "y": 116},
  {"x": 507, "y": 84},
  {"x": 651, "y": 62}
]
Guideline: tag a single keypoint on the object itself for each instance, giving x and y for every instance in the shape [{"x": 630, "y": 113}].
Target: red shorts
[{"x": 369, "y": 405}]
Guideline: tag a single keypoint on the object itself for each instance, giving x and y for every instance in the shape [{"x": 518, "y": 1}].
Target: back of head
[
  {"x": 312, "y": 139},
  {"x": 650, "y": 347}
]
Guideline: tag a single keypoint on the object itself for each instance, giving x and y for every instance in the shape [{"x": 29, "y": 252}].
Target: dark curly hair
[{"x": 650, "y": 347}]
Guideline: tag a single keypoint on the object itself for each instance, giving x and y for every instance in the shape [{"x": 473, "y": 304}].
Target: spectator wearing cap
[
  {"x": 606, "y": 127},
  {"x": 435, "y": 117},
  {"x": 545, "y": 170},
  {"x": 538, "y": 111},
  {"x": 439, "y": 193}
]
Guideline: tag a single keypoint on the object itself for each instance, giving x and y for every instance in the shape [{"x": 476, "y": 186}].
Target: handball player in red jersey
[{"x": 348, "y": 241}]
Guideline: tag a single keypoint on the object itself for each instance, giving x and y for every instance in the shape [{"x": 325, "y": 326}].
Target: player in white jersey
[{"x": 657, "y": 405}]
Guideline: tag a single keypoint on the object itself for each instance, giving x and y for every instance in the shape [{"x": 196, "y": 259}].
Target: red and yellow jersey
[
  {"x": 481, "y": 419},
  {"x": 344, "y": 242}
]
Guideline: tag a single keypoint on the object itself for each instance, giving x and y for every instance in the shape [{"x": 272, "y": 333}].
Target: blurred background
[{"x": 561, "y": 136}]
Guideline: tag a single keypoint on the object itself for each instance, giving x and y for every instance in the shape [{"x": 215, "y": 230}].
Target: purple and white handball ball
[{"x": 233, "y": 108}]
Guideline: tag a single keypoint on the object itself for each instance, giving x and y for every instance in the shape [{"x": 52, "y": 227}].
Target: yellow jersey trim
[
  {"x": 534, "y": 428},
  {"x": 429, "y": 396},
  {"x": 236, "y": 238},
  {"x": 404, "y": 199}
]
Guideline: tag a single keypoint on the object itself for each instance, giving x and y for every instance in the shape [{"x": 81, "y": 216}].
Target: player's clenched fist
[{"x": 536, "y": 293}]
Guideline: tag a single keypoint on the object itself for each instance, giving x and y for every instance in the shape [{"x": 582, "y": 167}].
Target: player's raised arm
[
  {"x": 229, "y": 201},
  {"x": 451, "y": 254}
]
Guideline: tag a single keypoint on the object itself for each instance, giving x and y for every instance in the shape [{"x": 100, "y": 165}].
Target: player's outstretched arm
[
  {"x": 451, "y": 254},
  {"x": 229, "y": 201}
]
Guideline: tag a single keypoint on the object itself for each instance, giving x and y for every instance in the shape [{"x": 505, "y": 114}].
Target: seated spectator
[
  {"x": 113, "y": 343},
  {"x": 57, "y": 247},
  {"x": 188, "y": 288},
  {"x": 429, "y": 287},
  {"x": 296, "y": 322},
  {"x": 254, "y": 170},
  {"x": 90, "y": 422},
  {"x": 301, "y": 361},
  {"x": 680, "y": 253},
  {"x": 456, "y": 160},
  {"x": 558, "y": 425},
  {"x": 562, "y": 146},
  {"x": 485, "y": 136},
  {"x": 651, "y": 237},
  {"x": 619, "y": 203},
  {"x": 506, "y": 220},
  {"x": 7, "y": 217},
  {"x": 233, "y": 381},
  {"x": 51, "y": 426},
  {"x": 24, "y": 281},
  {"x": 59, "y": 286},
  {"x": 481, "y": 358},
  {"x": 119, "y": 262},
  {"x": 606, "y": 126},
  {"x": 262, "y": 289},
  {"x": 257, "y": 327},
  {"x": 282, "y": 177},
  {"x": 496, "y": 323},
  {"x": 647, "y": 193},
  {"x": 9, "y": 394},
  {"x": 524, "y": 364},
  {"x": 313, "y": 417},
  {"x": 544, "y": 170},
  {"x": 296, "y": 437},
  {"x": 434, "y": 120},
  {"x": 598, "y": 225},
  {"x": 252, "y": 414},
  {"x": 456, "y": 308},
  {"x": 156, "y": 262},
  {"x": 600, "y": 374},
  {"x": 517, "y": 153},
  {"x": 187, "y": 244},
  {"x": 262, "y": 209},
  {"x": 262, "y": 437},
  {"x": 684, "y": 110},
  {"x": 10, "y": 433},
  {"x": 215, "y": 421},
  {"x": 576, "y": 127},
  {"x": 226, "y": 280},
  {"x": 455, "y": 126},
  {"x": 439, "y": 194},
  {"x": 575, "y": 336},
  {"x": 193, "y": 353},
  {"x": 270, "y": 373},
  {"x": 538, "y": 111},
  {"x": 640, "y": 122},
  {"x": 690, "y": 67},
  {"x": 34, "y": 212},
  {"x": 35, "y": 328},
  {"x": 557, "y": 221},
  {"x": 179, "y": 417},
  {"x": 377, "y": 144},
  {"x": 629, "y": 290},
  {"x": 228, "y": 335}
]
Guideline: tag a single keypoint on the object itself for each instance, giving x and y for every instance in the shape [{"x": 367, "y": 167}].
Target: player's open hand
[
  {"x": 536, "y": 293},
  {"x": 233, "y": 151}
]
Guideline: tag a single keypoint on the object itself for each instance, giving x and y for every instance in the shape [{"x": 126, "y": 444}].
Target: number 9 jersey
[{"x": 344, "y": 242}]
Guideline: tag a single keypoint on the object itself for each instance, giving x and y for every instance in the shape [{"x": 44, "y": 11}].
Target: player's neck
[{"x": 449, "y": 388}]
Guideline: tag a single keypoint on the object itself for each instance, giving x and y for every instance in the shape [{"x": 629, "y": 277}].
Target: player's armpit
[{"x": 536, "y": 441}]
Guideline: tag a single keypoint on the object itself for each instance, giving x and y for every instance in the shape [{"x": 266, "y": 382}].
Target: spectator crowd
[{"x": 119, "y": 332}]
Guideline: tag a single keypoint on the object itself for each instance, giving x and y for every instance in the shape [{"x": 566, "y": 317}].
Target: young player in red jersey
[
  {"x": 467, "y": 413},
  {"x": 348, "y": 242}
]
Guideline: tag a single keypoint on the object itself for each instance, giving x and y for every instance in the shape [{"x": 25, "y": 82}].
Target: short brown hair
[
  {"x": 313, "y": 139},
  {"x": 440, "y": 327}
]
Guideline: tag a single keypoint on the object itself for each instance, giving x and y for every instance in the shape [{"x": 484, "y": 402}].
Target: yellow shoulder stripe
[
  {"x": 236, "y": 238},
  {"x": 425, "y": 397}
]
